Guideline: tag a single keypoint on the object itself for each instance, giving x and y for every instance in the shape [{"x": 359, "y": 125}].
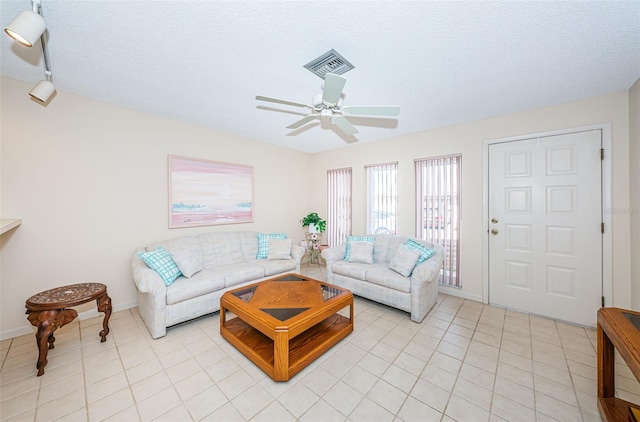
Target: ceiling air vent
[{"x": 329, "y": 62}]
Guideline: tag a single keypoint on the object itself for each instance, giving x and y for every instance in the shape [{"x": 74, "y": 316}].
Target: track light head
[
  {"x": 26, "y": 28},
  {"x": 43, "y": 91}
]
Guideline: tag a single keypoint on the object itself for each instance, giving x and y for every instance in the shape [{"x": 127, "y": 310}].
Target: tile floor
[{"x": 465, "y": 362}]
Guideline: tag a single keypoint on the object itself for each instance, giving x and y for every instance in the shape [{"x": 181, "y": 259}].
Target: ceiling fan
[{"x": 328, "y": 105}]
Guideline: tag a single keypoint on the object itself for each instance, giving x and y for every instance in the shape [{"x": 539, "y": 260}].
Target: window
[
  {"x": 339, "y": 204},
  {"x": 438, "y": 210},
  {"x": 382, "y": 194}
]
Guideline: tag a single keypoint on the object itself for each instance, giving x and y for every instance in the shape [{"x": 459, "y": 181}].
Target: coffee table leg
[
  {"x": 47, "y": 322},
  {"x": 281, "y": 355},
  {"x": 104, "y": 305}
]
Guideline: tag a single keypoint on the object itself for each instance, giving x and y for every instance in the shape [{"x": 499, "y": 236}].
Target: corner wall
[
  {"x": 634, "y": 192},
  {"x": 89, "y": 181}
]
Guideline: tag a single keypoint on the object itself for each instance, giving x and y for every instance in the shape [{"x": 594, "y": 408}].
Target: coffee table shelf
[{"x": 303, "y": 349}]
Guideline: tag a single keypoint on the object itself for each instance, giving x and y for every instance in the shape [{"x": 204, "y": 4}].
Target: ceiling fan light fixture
[
  {"x": 27, "y": 27},
  {"x": 43, "y": 91}
]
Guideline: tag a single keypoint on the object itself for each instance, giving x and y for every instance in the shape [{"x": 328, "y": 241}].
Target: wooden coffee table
[{"x": 285, "y": 323}]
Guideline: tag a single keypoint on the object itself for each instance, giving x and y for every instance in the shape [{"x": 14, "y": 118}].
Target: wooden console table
[
  {"x": 617, "y": 329},
  {"x": 47, "y": 311}
]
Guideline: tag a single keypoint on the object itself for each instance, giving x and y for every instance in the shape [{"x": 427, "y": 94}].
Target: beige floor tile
[
  {"x": 452, "y": 350},
  {"x": 158, "y": 404},
  {"x": 205, "y": 402},
  {"x": 236, "y": 383},
  {"x": 399, "y": 378},
  {"x": 459, "y": 409},
  {"x": 21, "y": 386},
  {"x": 18, "y": 404},
  {"x": 431, "y": 395},
  {"x": 343, "y": 397},
  {"x": 556, "y": 408},
  {"x": 62, "y": 406},
  {"x": 298, "y": 399},
  {"x": 321, "y": 411},
  {"x": 385, "y": 352},
  {"x": 473, "y": 393},
  {"x": 438, "y": 376},
  {"x": 414, "y": 410},
  {"x": 387, "y": 396},
  {"x": 445, "y": 362},
  {"x": 274, "y": 412},
  {"x": 252, "y": 402},
  {"x": 130, "y": 414},
  {"x": 515, "y": 392},
  {"x": 178, "y": 413},
  {"x": 111, "y": 405},
  {"x": 510, "y": 410},
  {"x": 367, "y": 410},
  {"x": 514, "y": 374},
  {"x": 58, "y": 389},
  {"x": 106, "y": 387}
]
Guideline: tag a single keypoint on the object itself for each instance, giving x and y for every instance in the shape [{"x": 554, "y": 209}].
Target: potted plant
[{"x": 314, "y": 222}]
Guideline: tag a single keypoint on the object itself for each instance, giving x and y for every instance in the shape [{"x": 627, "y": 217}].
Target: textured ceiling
[{"x": 443, "y": 63}]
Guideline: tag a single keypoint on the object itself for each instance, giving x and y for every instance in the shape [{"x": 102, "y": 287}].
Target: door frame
[{"x": 607, "y": 241}]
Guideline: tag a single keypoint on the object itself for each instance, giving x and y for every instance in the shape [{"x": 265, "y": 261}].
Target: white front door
[{"x": 545, "y": 212}]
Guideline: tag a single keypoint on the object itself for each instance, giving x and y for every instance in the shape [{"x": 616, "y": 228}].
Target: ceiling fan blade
[
  {"x": 279, "y": 101},
  {"x": 302, "y": 121},
  {"x": 333, "y": 85},
  {"x": 372, "y": 110},
  {"x": 344, "y": 125}
]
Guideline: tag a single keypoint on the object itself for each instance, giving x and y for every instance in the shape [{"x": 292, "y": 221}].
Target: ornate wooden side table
[{"x": 48, "y": 311}]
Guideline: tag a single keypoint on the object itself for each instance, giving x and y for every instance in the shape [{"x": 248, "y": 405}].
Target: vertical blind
[
  {"x": 339, "y": 204},
  {"x": 382, "y": 194},
  {"x": 438, "y": 210}
]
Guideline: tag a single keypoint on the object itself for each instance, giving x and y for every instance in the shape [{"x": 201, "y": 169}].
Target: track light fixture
[{"x": 26, "y": 28}]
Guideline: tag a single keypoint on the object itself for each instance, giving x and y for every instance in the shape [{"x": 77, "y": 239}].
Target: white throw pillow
[
  {"x": 188, "y": 264},
  {"x": 361, "y": 252},
  {"x": 279, "y": 249},
  {"x": 404, "y": 260}
]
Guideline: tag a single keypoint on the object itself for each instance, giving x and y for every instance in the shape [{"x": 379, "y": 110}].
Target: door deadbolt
[
  {"x": 494, "y": 220},
  {"x": 494, "y": 232}
]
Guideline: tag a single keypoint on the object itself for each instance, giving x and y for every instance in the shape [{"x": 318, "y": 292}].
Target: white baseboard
[
  {"x": 92, "y": 313},
  {"x": 452, "y": 291}
]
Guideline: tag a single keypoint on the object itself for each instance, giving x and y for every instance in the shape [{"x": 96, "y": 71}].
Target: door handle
[
  {"x": 494, "y": 220},
  {"x": 494, "y": 232}
]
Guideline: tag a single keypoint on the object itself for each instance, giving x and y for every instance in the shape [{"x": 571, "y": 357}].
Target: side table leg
[
  {"x": 104, "y": 305},
  {"x": 47, "y": 322}
]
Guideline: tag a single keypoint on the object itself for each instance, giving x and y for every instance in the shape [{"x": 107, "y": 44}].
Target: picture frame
[{"x": 205, "y": 192}]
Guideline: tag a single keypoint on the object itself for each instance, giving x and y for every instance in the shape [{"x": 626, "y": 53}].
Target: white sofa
[
  {"x": 225, "y": 261},
  {"x": 416, "y": 293}
]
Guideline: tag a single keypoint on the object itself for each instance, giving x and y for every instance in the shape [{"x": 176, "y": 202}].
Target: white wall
[
  {"x": 634, "y": 193},
  {"x": 467, "y": 139},
  {"x": 89, "y": 181}
]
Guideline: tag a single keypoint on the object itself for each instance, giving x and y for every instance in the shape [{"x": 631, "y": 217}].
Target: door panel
[{"x": 545, "y": 210}]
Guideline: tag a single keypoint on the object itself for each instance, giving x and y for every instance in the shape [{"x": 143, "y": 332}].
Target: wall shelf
[{"x": 7, "y": 224}]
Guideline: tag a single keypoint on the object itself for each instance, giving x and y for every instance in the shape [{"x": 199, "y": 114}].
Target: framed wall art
[{"x": 203, "y": 192}]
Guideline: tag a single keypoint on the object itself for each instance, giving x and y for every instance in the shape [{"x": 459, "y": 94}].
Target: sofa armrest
[
  {"x": 145, "y": 279},
  {"x": 297, "y": 252},
  {"x": 335, "y": 253},
  {"x": 424, "y": 284}
]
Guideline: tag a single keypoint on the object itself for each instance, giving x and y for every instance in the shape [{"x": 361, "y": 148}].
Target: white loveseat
[
  {"x": 415, "y": 293},
  {"x": 215, "y": 262}
]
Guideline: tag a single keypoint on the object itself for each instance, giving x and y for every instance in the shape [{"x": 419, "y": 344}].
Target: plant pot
[{"x": 312, "y": 228}]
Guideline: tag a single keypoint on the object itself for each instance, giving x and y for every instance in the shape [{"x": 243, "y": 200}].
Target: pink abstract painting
[{"x": 203, "y": 192}]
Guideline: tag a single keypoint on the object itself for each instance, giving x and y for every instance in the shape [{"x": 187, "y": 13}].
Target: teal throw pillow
[
  {"x": 425, "y": 253},
  {"x": 263, "y": 243},
  {"x": 161, "y": 262},
  {"x": 347, "y": 249}
]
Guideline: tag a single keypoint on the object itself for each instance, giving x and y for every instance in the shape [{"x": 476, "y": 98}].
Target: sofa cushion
[
  {"x": 263, "y": 243},
  {"x": 206, "y": 281},
  {"x": 404, "y": 260},
  {"x": 425, "y": 253},
  {"x": 347, "y": 250},
  {"x": 382, "y": 275},
  {"x": 361, "y": 252},
  {"x": 239, "y": 273},
  {"x": 161, "y": 262},
  {"x": 350, "y": 269},
  {"x": 279, "y": 249},
  {"x": 275, "y": 266},
  {"x": 221, "y": 249}
]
